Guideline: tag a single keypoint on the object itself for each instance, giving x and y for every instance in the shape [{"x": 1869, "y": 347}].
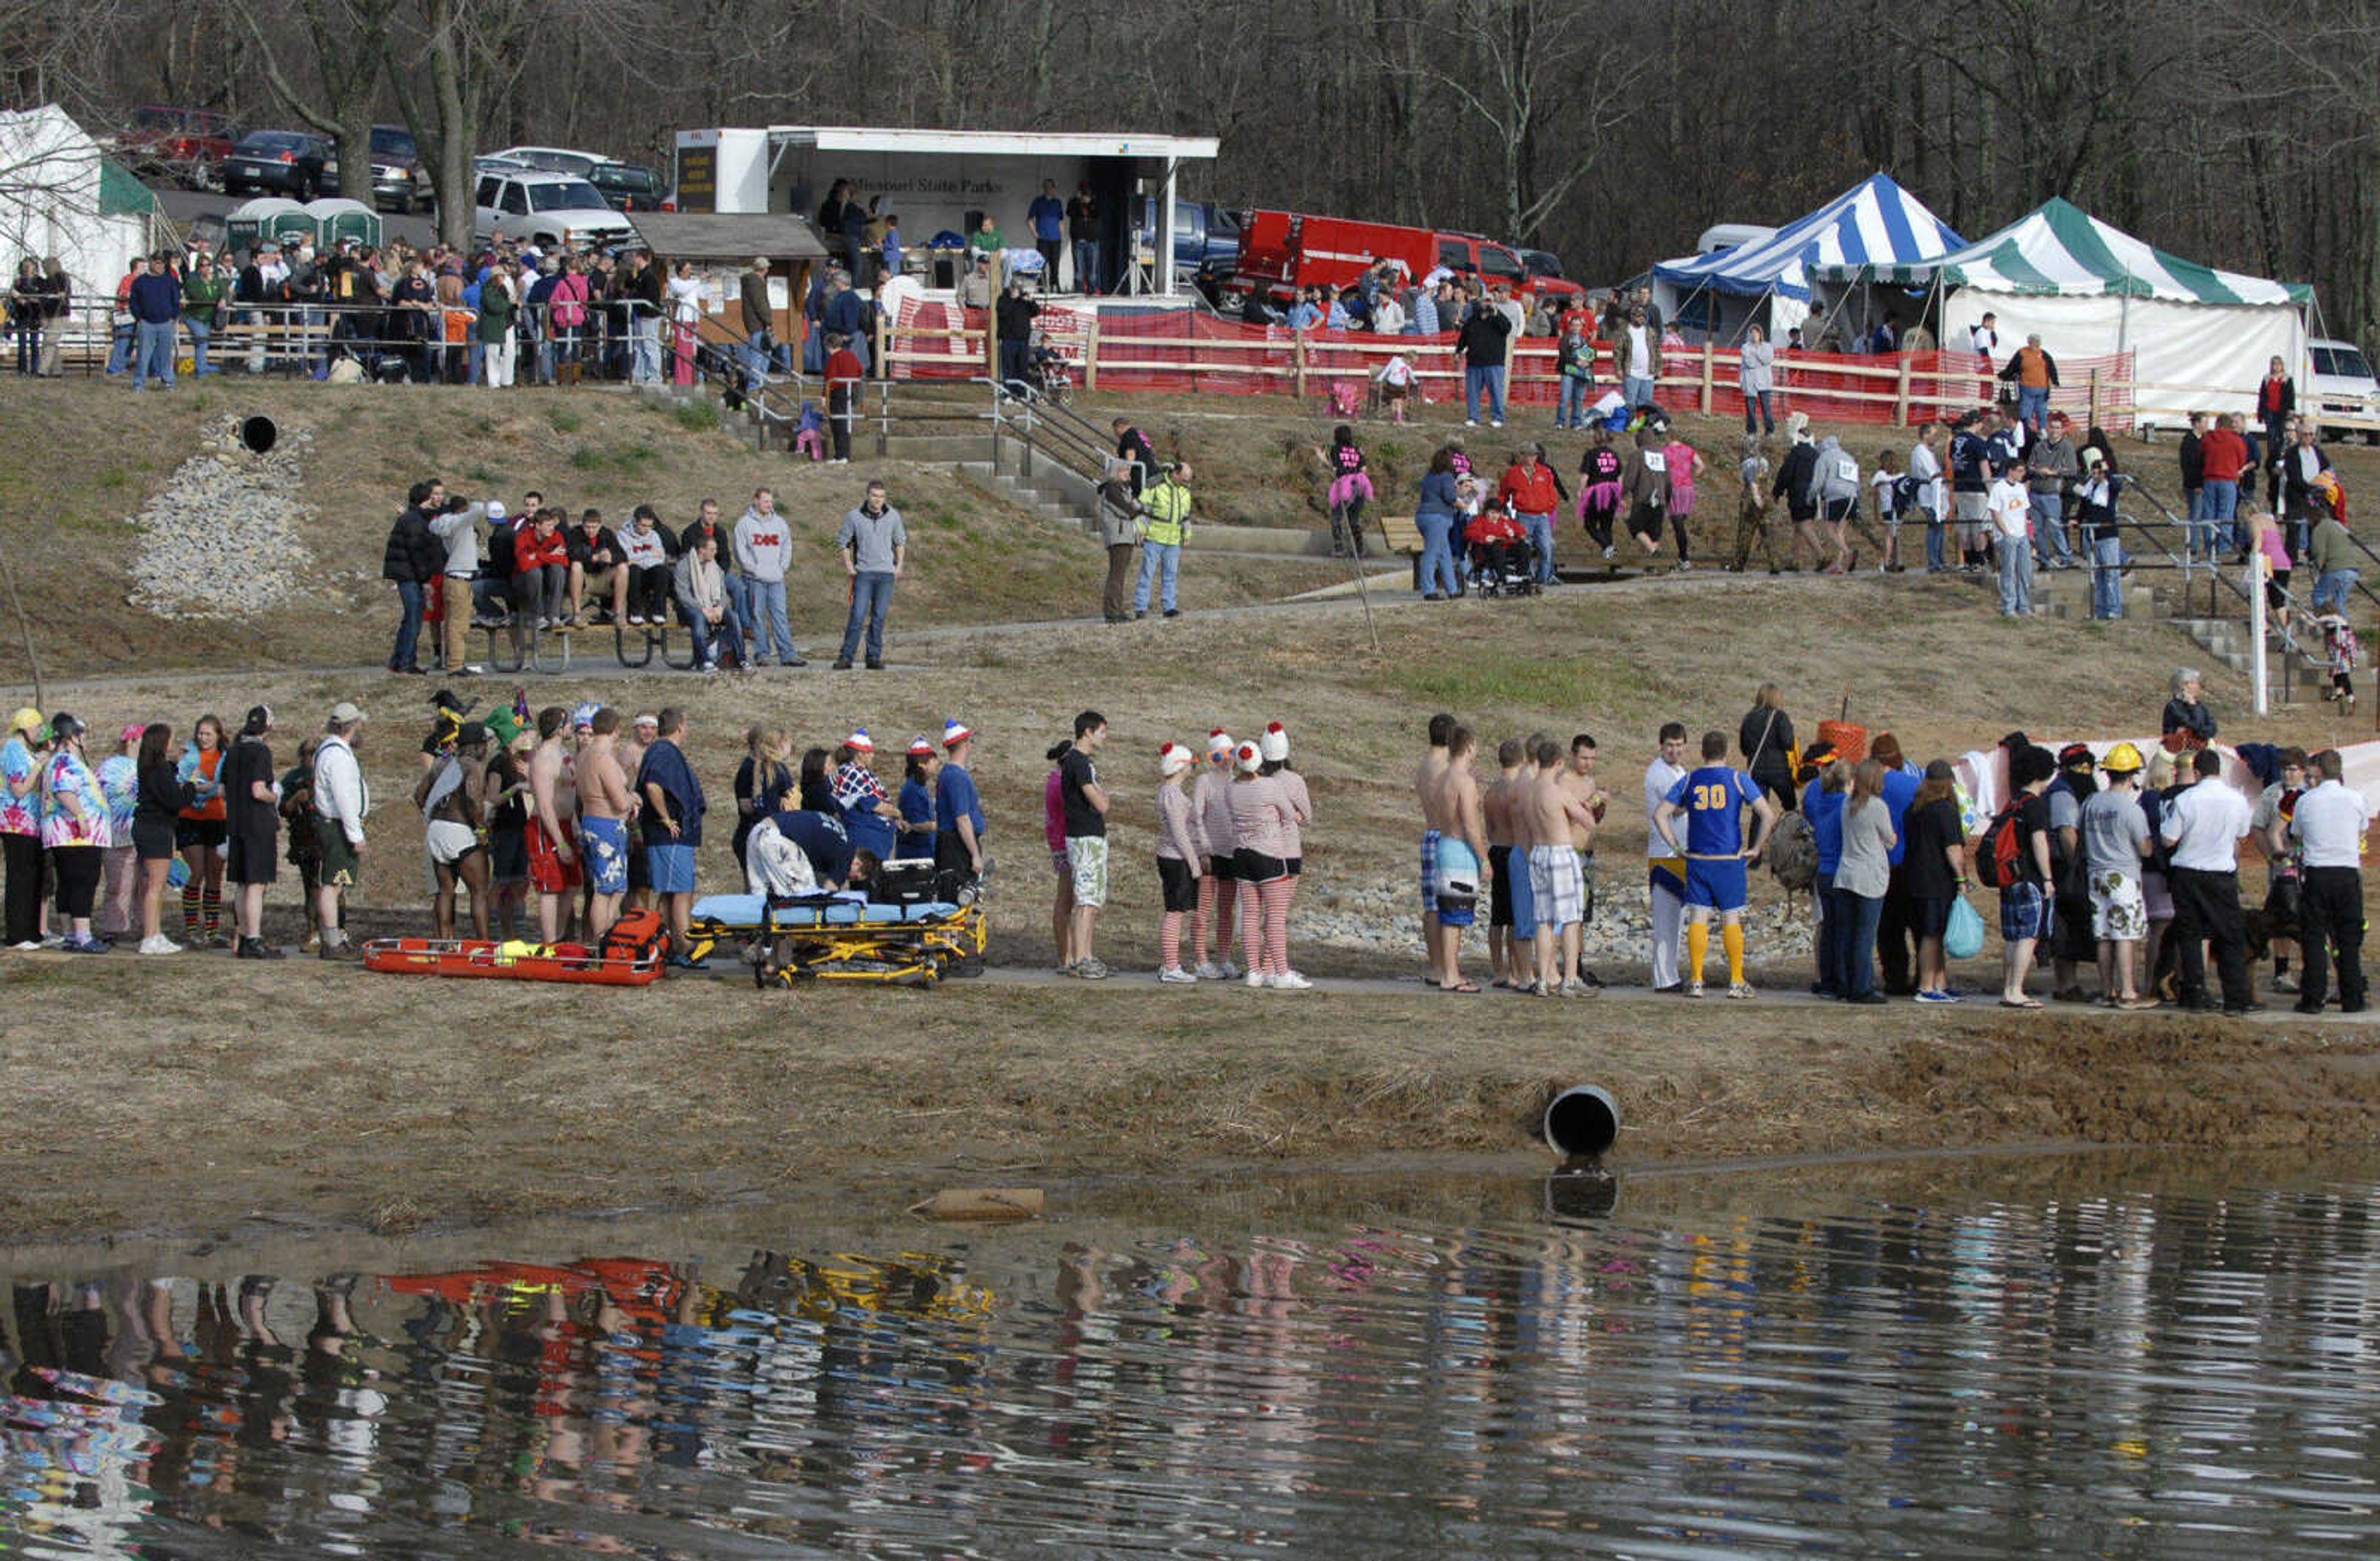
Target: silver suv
[{"x": 546, "y": 210}]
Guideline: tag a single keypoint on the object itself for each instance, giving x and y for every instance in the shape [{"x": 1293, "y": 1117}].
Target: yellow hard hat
[{"x": 2123, "y": 760}]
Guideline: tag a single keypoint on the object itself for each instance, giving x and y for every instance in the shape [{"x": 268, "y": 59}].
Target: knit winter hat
[
  {"x": 1173, "y": 759},
  {"x": 1219, "y": 744},
  {"x": 955, "y": 732},
  {"x": 1274, "y": 744},
  {"x": 860, "y": 742},
  {"x": 1246, "y": 759},
  {"x": 920, "y": 749}
]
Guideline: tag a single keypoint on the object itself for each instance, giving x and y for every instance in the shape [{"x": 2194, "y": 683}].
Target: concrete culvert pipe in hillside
[
  {"x": 259, "y": 433},
  {"x": 1581, "y": 1123}
]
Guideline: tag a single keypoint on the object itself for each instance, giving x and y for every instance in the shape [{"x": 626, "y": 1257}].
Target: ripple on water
[{"x": 2134, "y": 1373}]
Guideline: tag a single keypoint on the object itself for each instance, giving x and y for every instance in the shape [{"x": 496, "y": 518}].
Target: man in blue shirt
[
  {"x": 156, "y": 304},
  {"x": 1047, "y": 218},
  {"x": 1711, "y": 800},
  {"x": 958, "y": 807},
  {"x": 671, "y": 826}
]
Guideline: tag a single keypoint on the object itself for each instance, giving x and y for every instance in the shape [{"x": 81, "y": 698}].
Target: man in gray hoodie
[
  {"x": 764, "y": 549},
  {"x": 1833, "y": 492},
  {"x": 2049, "y": 466}
]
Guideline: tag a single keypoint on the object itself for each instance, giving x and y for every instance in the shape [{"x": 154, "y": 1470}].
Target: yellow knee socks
[
  {"x": 1698, "y": 948},
  {"x": 1730, "y": 937}
]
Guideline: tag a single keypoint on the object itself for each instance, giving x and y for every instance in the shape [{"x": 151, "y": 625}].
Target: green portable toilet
[
  {"x": 337, "y": 219},
  {"x": 295, "y": 222},
  {"x": 255, "y": 224}
]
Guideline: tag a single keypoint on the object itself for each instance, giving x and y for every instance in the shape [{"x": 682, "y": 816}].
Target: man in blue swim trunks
[
  {"x": 604, "y": 806},
  {"x": 1711, "y": 800},
  {"x": 1462, "y": 871},
  {"x": 1428, "y": 781}
]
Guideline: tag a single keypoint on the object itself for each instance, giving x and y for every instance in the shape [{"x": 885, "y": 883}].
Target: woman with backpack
[{"x": 2012, "y": 856}]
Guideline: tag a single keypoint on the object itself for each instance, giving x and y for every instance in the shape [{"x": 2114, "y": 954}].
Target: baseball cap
[{"x": 344, "y": 712}]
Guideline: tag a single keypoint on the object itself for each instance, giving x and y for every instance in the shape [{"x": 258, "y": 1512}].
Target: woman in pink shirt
[
  {"x": 2275, "y": 549},
  {"x": 1211, "y": 812},
  {"x": 1274, "y": 747},
  {"x": 1261, "y": 819},
  {"x": 567, "y": 310},
  {"x": 1177, "y": 860},
  {"x": 1053, "y": 833},
  {"x": 1685, "y": 463}
]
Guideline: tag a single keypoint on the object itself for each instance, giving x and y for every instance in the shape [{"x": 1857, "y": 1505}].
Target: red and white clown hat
[
  {"x": 920, "y": 749},
  {"x": 1246, "y": 759},
  {"x": 860, "y": 742},
  {"x": 955, "y": 732},
  {"x": 1173, "y": 759},
  {"x": 1219, "y": 746},
  {"x": 1274, "y": 744}
]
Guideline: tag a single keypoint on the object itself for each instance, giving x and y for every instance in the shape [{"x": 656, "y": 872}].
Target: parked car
[
  {"x": 2340, "y": 385},
  {"x": 184, "y": 144},
  {"x": 1282, "y": 251},
  {"x": 547, "y": 210},
  {"x": 399, "y": 180},
  {"x": 288, "y": 162},
  {"x": 553, "y": 159},
  {"x": 630, "y": 187}
]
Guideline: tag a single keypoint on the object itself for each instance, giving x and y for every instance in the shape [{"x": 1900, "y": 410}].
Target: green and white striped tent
[{"x": 2201, "y": 337}]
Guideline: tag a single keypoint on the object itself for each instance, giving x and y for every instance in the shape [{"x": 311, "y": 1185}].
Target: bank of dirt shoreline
[{"x": 312, "y": 1095}]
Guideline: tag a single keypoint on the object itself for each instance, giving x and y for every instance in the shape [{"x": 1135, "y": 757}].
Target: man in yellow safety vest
[{"x": 1164, "y": 527}]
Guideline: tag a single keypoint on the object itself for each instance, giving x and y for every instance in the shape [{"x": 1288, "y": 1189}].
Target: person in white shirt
[
  {"x": 1983, "y": 339},
  {"x": 2009, "y": 509},
  {"x": 2328, "y": 827},
  {"x": 1925, "y": 470},
  {"x": 2204, "y": 826},
  {"x": 1665, "y": 870}
]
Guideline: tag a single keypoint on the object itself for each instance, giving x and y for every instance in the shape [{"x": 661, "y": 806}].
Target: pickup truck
[
  {"x": 184, "y": 144},
  {"x": 1284, "y": 252},
  {"x": 1206, "y": 238}
]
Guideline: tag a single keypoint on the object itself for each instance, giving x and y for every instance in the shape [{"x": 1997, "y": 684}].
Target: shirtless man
[
  {"x": 1578, "y": 780},
  {"x": 553, "y": 803},
  {"x": 1509, "y": 950},
  {"x": 1666, "y": 867},
  {"x": 1554, "y": 818},
  {"x": 448, "y": 796},
  {"x": 1461, "y": 856},
  {"x": 605, "y": 807},
  {"x": 1427, "y": 780},
  {"x": 631, "y": 756}
]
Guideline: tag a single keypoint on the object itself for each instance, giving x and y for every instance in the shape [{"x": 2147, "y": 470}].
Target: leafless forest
[{"x": 2243, "y": 136}]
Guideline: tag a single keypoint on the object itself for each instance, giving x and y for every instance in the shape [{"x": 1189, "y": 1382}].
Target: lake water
[{"x": 2096, "y": 1356}]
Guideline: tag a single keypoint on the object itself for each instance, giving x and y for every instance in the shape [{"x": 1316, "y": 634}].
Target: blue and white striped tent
[{"x": 1875, "y": 223}]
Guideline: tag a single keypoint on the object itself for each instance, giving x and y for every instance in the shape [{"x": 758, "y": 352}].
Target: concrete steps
[{"x": 1055, "y": 500}]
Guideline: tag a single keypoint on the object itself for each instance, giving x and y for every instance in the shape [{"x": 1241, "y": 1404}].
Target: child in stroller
[
  {"x": 1049, "y": 371},
  {"x": 1502, "y": 563}
]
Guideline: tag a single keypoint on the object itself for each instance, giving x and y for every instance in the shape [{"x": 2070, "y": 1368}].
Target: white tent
[
  {"x": 59, "y": 197},
  {"x": 1766, "y": 280},
  {"x": 2201, "y": 337}
]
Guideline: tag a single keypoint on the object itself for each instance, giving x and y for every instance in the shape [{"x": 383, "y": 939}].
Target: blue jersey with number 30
[{"x": 1714, "y": 797}]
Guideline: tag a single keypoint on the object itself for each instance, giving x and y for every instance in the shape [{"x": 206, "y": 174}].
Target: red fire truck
[{"x": 1284, "y": 252}]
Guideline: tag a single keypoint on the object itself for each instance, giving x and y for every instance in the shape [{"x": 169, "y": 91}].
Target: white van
[{"x": 2340, "y": 385}]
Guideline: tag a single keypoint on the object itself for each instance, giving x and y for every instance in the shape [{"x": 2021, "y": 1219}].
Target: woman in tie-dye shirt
[
  {"x": 75, "y": 830},
  {"x": 20, "y": 825},
  {"x": 119, "y": 781}
]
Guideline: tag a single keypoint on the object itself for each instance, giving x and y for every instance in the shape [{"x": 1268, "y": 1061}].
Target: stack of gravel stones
[{"x": 220, "y": 539}]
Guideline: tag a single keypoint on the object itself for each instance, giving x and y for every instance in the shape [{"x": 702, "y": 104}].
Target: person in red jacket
[
  {"x": 2276, "y": 403},
  {"x": 2223, "y": 457},
  {"x": 540, "y": 570},
  {"x": 1498, "y": 550},
  {"x": 1531, "y": 491},
  {"x": 843, "y": 375}
]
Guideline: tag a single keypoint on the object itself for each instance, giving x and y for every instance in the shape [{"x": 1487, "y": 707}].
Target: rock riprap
[{"x": 222, "y": 538}]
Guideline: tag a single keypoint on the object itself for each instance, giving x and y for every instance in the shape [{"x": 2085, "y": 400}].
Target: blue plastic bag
[
  {"x": 1963, "y": 938},
  {"x": 177, "y": 874}
]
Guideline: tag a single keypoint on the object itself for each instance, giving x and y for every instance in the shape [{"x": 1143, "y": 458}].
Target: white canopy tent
[
  {"x": 59, "y": 197},
  {"x": 2201, "y": 337}
]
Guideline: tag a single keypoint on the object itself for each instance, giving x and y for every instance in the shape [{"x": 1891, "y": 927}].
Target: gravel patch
[
  {"x": 220, "y": 539},
  {"x": 1383, "y": 916}
]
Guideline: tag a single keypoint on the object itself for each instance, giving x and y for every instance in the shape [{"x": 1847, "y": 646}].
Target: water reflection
[{"x": 2134, "y": 1373}]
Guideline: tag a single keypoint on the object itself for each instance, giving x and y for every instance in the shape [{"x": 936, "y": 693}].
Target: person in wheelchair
[
  {"x": 1501, "y": 561},
  {"x": 1048, "y": 370}
]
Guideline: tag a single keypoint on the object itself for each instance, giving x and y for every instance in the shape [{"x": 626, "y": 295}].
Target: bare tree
[{"x": 323, "y": 60}]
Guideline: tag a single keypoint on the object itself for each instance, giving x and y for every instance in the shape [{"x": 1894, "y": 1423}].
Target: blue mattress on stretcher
[{"x": 747, "y": 910}]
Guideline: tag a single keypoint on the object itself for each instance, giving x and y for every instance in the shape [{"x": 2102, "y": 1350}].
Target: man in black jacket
[
  {"x": 412, "y": 557},
  {"x": 2193, "y": 488},
  {"x": 1013, "y": 315},
  {"x": 1480, "y": 342},
  {"x": 1132, "y": 446},
  {"x": 640, "y": 296}
]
